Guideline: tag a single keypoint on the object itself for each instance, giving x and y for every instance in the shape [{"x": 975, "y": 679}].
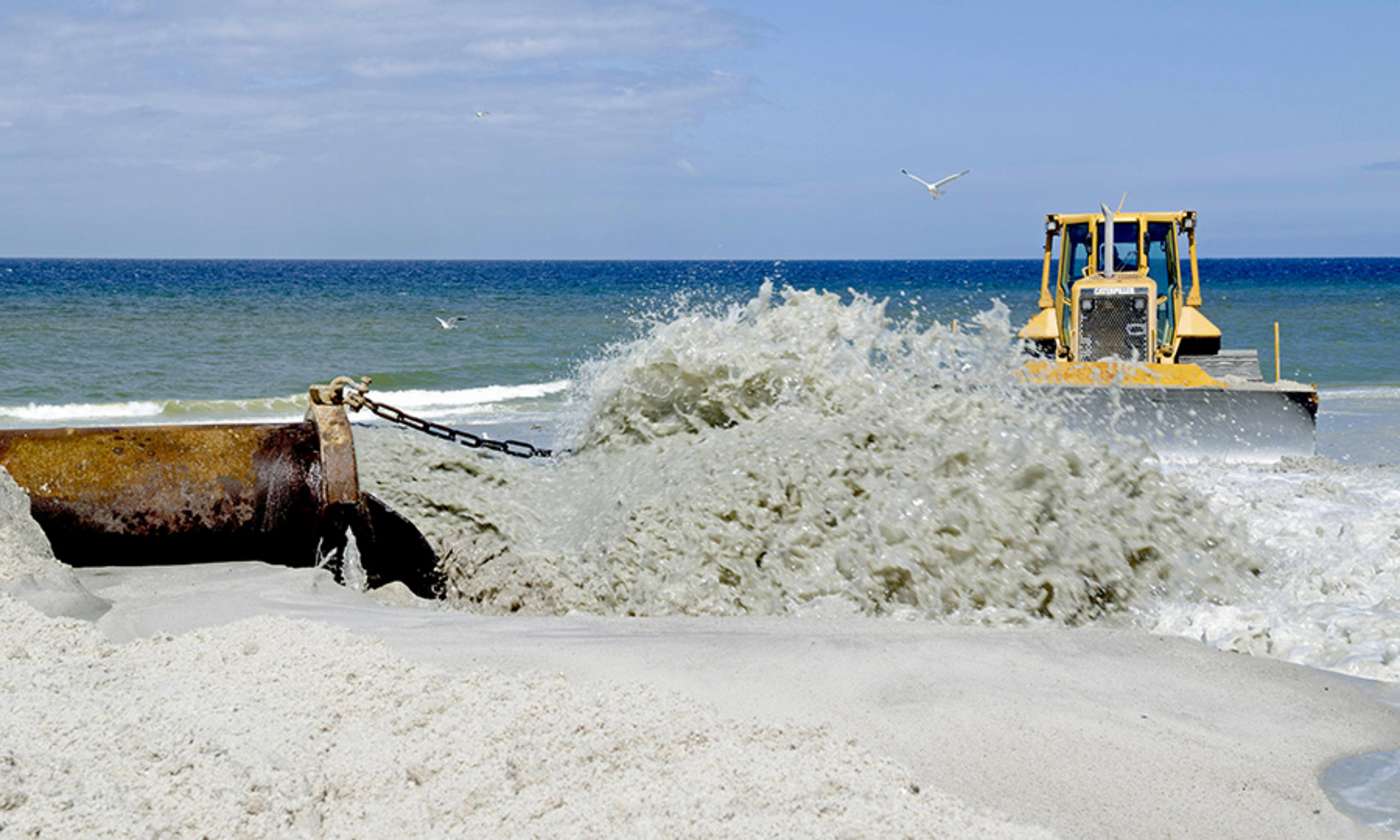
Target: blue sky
[{"x": 345, "y": 128}]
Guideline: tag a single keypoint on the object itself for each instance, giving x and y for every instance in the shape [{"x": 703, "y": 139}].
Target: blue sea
[
  {"x": 103, "y": 332},
  {"x": 144, "y": 341}
]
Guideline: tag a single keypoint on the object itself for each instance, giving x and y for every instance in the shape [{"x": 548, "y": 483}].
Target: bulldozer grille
[{"x": 1113, "y": 326}]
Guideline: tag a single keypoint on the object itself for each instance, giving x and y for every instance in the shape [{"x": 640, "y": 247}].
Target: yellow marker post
[
  {"x": 1193, "y": 298},
  {"x": 1276, "y": 363},
  {"x": 1046, "y": 301}
]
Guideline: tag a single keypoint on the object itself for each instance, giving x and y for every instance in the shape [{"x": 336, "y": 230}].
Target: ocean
[
  {"x": 745, "y": 446},
  {"x": 189, "y": 340}
]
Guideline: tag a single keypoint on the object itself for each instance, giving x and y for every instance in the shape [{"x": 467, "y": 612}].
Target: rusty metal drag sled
[{"x": 284, "y": 493}]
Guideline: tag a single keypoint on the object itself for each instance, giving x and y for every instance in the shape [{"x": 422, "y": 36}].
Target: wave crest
[{"x": 431, "y": 403}]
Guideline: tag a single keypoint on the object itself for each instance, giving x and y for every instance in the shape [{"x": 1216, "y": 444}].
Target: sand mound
[
  {"x": 24, "y": 550},
  {"x": 28, "y": 569},
  {"x": 186, "y": 737}
]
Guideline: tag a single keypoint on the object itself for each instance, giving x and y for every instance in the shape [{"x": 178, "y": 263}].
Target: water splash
[
  {"x": 804, "y": 453},
  {"x": 1329, "y": 546}
]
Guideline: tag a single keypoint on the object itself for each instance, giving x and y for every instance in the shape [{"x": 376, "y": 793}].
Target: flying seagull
[
  {"x": 481, "y": 115},
  {"x": 936, "y": 188},
  {"x": 450, "y": 323}
]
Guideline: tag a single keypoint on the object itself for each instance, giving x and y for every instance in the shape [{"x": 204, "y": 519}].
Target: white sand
[
  {"x": 24, "y": 550},
  {"x": 270, "y": 727},
  {"x": 27, "y": 565},
  {"x": 1091, "y": 733},
  {"x": 275, "y": 728},
  {"x": 253, "y": 721}
]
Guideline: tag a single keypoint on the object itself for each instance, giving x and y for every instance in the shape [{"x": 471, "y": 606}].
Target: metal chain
[{"x": 354, "y": 395}]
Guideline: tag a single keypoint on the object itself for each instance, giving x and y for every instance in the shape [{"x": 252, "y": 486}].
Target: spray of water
[
  {"x": 1329, "y": 545},
  {"x": 805, "y": 453}
]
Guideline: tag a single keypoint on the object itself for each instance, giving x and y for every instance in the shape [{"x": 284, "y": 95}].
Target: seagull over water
[
  {"x": 936, "y": 188},
  {"x": 481, "y": 115},
  {"x": 450, "y": 323}
]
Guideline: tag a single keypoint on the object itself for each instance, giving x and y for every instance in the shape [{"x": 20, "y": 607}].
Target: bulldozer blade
[
  {"x": 282, "y": 493},
  {"x": 1249, "y": 422}
]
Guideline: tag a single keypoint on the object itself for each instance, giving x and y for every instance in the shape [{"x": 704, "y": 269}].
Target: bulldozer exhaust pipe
[
  {"x": 1109, "y": 254},
  {"x": 283, "y": 493}
]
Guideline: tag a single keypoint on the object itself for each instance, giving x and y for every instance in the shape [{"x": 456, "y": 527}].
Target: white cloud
[
  {"x": 399, "y": 69},
  {"x": 196, "y": 82},
  {"x": 525, "y": 49},
  {"x": 252, "y": 161}
]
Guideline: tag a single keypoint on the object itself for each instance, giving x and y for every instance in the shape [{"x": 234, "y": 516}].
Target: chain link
[{"x": 354, "y": 395}]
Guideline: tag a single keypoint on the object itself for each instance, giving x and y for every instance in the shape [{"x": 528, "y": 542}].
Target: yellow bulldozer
[{"x": 1118, "y": 330}]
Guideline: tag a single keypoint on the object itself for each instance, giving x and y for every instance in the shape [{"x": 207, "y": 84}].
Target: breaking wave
[
  {"x": 430, "y": 403},
  {"x": 807, "y": 454},
  {"x": 1372, "y": 392}
]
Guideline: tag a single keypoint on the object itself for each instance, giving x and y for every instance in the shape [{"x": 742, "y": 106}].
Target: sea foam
[{"x": 1328, "y": 542}]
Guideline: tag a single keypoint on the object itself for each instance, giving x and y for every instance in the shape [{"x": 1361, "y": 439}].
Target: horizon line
[{"x": 649, "y": 259}]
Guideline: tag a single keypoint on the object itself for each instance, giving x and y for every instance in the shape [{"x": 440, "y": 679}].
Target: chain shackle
[{"x": 354, "y": 394}]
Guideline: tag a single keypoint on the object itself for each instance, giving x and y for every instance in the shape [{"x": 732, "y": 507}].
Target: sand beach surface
[
  {"x": 202, "y": 703},
  {"x": 252, "y": 699}
]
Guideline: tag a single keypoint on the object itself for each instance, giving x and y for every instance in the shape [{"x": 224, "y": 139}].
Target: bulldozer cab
[{"x": 1117, "y": 290}]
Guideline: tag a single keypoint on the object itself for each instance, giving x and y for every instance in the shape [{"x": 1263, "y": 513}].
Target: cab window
[
  {"x": 1125, "y": 246},
  {"x": 1072, "y": 264},
  {"x": 1163, "y": 267}
]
